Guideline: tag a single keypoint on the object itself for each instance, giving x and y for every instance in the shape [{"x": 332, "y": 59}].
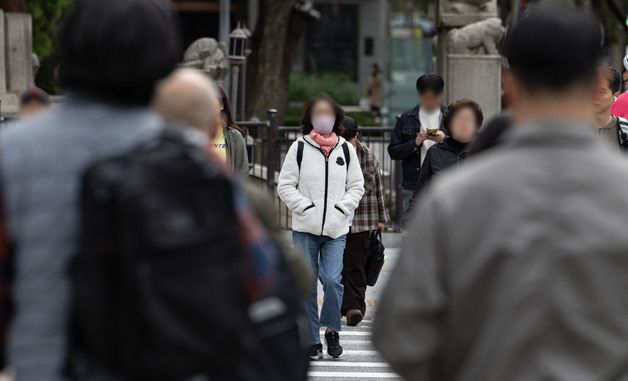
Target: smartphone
[{"x": 432, "y": 131}]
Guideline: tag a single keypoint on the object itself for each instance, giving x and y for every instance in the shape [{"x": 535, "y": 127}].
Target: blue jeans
[{"x": 326, "y": 256}]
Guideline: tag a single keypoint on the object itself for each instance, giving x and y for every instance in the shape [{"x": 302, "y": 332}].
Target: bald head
[{"x": 188, "y": 97}]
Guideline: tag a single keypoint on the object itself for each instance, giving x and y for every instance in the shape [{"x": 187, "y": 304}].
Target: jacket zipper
[
  {"x": 326, "y": 184},
  {"x": 326, "y": 179}
]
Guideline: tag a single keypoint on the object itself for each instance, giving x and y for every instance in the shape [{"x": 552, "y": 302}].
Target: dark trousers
[{"x": 354, "y": 272}]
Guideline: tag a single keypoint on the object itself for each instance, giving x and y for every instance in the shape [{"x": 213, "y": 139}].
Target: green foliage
[
  {"x": 338, "y": 85},
  {"x": 46, "y": 15},
  {"x": 293, "y": 117}
]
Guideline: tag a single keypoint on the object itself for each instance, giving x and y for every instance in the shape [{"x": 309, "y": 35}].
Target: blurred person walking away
[
  {"x": 109, "y": 68},
  {"x": 462, "y": 120},
  {"x": 190, "y": 98},
  {"x": 375, "y": 92},
  {"x": 321, "y": 183},
  {"x": 417, "y": 130},
  {"x": 107, "y": 115},
  {"x": 515, "y": 267},
  {"x": 370, "y": 218},
  {"x": 34, "y": 102},
  {"x": 610, "y": 128},
  {"x": 228, "y": 141},
  {"x": 620, "y": 106}
]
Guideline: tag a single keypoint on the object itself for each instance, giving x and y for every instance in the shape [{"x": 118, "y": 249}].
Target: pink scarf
[{"x": 326, "y": 143}]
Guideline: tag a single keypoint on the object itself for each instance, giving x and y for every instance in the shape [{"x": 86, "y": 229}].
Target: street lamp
[
  {"x": 247, "y": 53},
  {"x": 237, "y": 55}
]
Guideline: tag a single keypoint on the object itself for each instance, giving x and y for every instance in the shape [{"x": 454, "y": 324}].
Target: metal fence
[{"x": 268, "y": 143}]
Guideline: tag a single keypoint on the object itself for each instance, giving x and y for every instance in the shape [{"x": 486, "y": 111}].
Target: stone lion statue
[
  {"x": 478, "y": 38},
  {"x": 208, "y": 55}
]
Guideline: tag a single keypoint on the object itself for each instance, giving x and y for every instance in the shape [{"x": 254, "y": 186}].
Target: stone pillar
[
  {"x": 477, "y": 77},
  {"x": 16, "y": 59},
  {"x": 452, "y": 14},
  {"x": 470, "y": 69},
  {"x": 19, "y": 52},
  {"x": 3, "y": 67}
]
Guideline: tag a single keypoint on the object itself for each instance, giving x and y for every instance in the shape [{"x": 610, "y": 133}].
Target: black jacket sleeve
[
  {"x": 398, "y": 149},
  {"x": 425, "y": 175}
]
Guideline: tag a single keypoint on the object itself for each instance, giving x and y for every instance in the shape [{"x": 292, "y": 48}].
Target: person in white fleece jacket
[{"x": 321, "y": 183}]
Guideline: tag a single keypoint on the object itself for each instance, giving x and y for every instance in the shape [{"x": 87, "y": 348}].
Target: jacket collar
[
  {"x": 450, "y": 144},
  {"x": 552, "y": 133},
  {"x": 311, "y": 141}
]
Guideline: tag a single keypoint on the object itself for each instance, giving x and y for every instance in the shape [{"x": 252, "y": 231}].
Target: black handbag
[{"x": 375, "y": 259}]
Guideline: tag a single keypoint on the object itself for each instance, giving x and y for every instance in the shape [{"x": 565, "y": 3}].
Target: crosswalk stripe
[
  {"x": 353, "y": 333},
  {"x": 350, "y": 364},
  {"x": 343, "y": 342},
  {"x": 352, "y": 375},
  {"x": 360, "y": 352}
]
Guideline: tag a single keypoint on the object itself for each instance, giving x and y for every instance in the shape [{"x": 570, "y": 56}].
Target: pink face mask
[{"x": 323, "y": 124}]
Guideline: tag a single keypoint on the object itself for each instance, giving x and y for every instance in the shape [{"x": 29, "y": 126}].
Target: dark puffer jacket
[{"x": 439, "y": 157}]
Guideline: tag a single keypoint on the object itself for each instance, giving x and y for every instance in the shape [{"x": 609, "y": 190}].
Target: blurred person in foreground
[
  {"x": 34, "y": 102},
  {"x": 369, "y": 218},
  {"x": 620, "y": 106},
  {"x": 610, "y": 128},
  {"x": 417, "y": 130},
  {"x": 516, "y": 267},
  {"x": 109, "y": 68},
  {"x": 191, "y": 99}
]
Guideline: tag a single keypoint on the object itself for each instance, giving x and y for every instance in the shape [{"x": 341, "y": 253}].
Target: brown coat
[{"x": 375, "y": 90}]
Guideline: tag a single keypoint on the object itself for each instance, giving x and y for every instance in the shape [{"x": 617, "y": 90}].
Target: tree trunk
[
  {"x": 278, "y": 31},
  {"x": 266, "y": 61}
]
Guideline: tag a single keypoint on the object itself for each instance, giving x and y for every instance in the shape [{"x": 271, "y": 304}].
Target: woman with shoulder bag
[{"x": 369, "y": 220}]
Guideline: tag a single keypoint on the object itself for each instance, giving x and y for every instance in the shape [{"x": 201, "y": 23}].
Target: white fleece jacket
[{"x": 323, "y": 194}]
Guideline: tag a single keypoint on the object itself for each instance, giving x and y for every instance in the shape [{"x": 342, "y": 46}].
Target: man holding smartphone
[{"x": 417, "y": 130}]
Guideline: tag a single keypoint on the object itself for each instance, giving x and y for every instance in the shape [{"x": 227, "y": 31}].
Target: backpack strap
[
  {"x": 345, "y": 149},
  {"x": 300, "y": 147}
]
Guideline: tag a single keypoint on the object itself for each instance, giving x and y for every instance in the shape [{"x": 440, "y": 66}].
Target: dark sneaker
[
  {"x": 316, "y": 352},
  {"x": 334, "y": 349},
  {"x": 354, "y": 317}
]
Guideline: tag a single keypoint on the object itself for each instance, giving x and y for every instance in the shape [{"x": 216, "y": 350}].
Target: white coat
[{"x": 324, "y": 193}]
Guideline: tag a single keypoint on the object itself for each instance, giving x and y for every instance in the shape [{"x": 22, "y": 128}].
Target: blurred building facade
[{"x": 349, "y": 37}]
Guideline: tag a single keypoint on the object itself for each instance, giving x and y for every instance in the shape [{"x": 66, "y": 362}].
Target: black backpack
[
  {"x": 157, "y": 284},
  {"x": 301, "y": 147}
]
